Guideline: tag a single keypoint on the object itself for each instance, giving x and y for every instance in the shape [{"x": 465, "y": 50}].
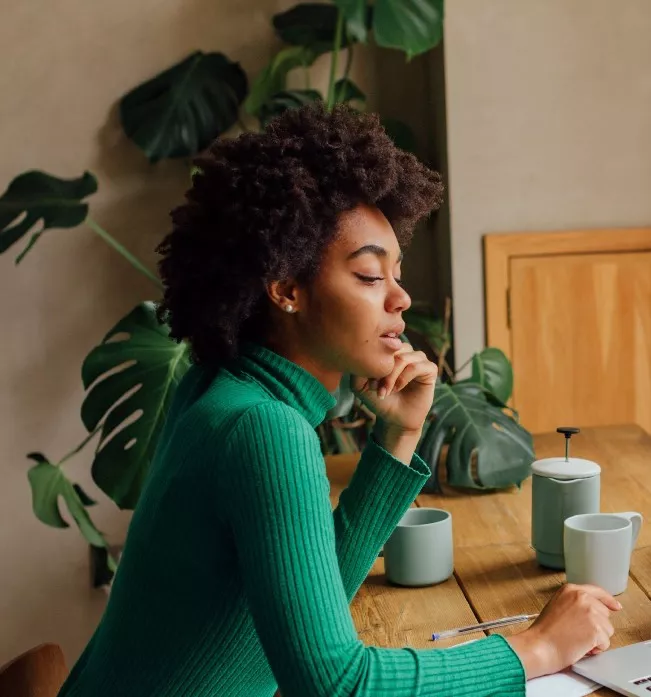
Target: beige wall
[
  {"x": 63, "y": 72},
  {"x": 549, "y": 126}
]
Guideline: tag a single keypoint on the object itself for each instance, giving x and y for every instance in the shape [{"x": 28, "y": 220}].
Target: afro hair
[{"x": 264, "y": 206}]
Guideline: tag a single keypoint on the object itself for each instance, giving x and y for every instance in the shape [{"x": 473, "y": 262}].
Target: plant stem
[
  {"x": 242, "y": 125},
  {"x": 335, "y": 55},
  {"x": 446, "y": 329},
  {"x": 111, "y": 562},
  {"x": 83, "y": 444},
  {"x": 349, "y": 61},
  {"x": 136, "y": 263},
  {"x": 458, "y": 370}
]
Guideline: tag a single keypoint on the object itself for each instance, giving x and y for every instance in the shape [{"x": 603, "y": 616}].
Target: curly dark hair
[{"x": 264, "y": 206}]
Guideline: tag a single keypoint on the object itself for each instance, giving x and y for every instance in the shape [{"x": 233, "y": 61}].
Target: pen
[{"x": 492, "y": 624}]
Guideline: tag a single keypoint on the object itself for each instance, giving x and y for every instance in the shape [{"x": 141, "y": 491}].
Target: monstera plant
[
  {"x": 487, "y": 447},
  {"x": 470, "y": 431},
  {"x": 131, "y": 376},
  {"x": 180, "y": 111}
]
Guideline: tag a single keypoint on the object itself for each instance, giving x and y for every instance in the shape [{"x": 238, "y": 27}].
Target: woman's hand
[
  {"x": 573, "y": 624},
  {"x": 401, "y": 400}
]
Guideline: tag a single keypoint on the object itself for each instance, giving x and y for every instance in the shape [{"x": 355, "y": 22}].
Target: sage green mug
[
  {"x": 419, "y": 551},
  {"x": 598, "y": 548}
]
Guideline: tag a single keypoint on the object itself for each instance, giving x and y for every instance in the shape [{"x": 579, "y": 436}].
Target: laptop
[{"x": 626, "y": 670}]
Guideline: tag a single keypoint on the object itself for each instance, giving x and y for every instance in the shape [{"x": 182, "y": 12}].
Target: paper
[{"x": 564, "y": 684}]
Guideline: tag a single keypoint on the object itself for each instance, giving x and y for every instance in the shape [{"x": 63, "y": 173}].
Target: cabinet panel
[{"x": 580, "y": 327}]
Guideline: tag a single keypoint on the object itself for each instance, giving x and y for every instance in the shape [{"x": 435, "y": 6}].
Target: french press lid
[{"x": 566, "y": 467}]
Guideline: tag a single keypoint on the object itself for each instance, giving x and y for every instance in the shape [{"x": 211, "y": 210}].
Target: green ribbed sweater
[{"x": 236, "y": 576}]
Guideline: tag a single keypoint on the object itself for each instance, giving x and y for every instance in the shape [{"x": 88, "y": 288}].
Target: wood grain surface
[{"x": 496, "y": 573}]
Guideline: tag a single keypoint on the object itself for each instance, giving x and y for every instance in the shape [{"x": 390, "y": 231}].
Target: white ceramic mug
[{"x": 598, "y": 548}]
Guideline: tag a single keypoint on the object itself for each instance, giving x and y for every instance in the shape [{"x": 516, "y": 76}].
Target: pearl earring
[{"x": 289, "y": 308}]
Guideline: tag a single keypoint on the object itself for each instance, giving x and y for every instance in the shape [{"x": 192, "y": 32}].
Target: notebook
[{"x": 564, "y": 684}]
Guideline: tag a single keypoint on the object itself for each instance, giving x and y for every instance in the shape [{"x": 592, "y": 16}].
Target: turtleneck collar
[{"x": 285, "y": 380}]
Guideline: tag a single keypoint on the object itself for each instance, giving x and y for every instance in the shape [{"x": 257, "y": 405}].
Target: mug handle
[{"x": 636, "y": 522}]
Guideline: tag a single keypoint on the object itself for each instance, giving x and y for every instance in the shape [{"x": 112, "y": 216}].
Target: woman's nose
[{"x": 399, "y": 300}]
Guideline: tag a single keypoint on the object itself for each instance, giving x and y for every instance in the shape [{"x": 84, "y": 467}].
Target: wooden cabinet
[{"x": 572, "y": 310}]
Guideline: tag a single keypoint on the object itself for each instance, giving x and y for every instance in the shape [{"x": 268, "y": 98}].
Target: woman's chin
[{"x": 379, "y": 367}]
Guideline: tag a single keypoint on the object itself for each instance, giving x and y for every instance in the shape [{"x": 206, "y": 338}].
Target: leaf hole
[{"x": 131, "y": 419}]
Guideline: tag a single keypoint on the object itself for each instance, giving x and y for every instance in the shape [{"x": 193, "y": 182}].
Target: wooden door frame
[{"x": 500, "y": 248}]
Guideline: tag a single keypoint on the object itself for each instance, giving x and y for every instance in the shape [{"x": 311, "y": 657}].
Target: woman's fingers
[
  {"x": 403, "y": 360},
  {"x": 606, "y": 598},
  {"x": 413, "y": 371},
  {"x": 604, "y": 628},
  {"x": 574, "y": 623},
  {"x": 603, "y": 641},
  {"x": 408, "y": 366}
]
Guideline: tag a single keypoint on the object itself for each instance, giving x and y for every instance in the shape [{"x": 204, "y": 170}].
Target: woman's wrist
[
  {"x": 397, "y": 441},
  {"x": 533, "y": 653}
]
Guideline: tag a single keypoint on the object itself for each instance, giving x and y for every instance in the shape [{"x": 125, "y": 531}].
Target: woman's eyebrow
[{"x": 372, "y": 249}]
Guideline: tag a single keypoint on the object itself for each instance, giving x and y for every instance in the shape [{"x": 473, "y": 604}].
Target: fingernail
[
  {"x": 382, "y": 392},
  {"x": 619, "y": 605}
]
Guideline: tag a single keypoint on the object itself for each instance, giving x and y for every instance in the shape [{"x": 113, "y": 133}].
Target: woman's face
[{"x": 350, "y": 317}]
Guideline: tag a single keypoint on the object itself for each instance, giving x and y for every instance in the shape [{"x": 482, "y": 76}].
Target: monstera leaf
[
  {"x": 493, "y": 371},
  {"x": 182, "y": 110},
  {"x": 312, "y": 25},
  {"x": 488, "y": 448},
  {"x": 39, "y": 196},
  {"x": 49, "y": 483},
  {"x": 282, "y": 101},
  {"x": 413, "y": 26},
  {"x": 400, "y": 133},
  {"x": 347, "y": 91},
  {"x": 130, "y": 377},
  {"x": 358, "y": 17},
  {"x": 274, "y": 77},
  {"x": 428, "y": 326}
]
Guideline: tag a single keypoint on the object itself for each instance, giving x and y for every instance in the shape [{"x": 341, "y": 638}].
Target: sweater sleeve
[
  {"x": 283, "y": 528},
  {"x": 380, "y": 491}
]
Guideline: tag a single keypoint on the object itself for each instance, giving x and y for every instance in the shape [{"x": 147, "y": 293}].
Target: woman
[{"x": 282, "y": 272}]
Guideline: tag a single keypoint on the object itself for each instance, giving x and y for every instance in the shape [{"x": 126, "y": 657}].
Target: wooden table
[{"x": 495, "y": 569}]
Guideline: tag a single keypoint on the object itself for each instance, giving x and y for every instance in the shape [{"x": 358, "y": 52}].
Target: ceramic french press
[{"x": 561, "y": 487}]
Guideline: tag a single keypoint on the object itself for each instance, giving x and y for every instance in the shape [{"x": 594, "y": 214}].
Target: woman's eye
[
  {"x": 369, "y": 279},
  {"x": 372, "y": 279}
]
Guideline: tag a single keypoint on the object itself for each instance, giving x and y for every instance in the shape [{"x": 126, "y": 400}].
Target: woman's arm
[
  {"x": 389, "y": 475},
  {"x": 380, "y": 491},
  {"x": 279, "y": 509}
]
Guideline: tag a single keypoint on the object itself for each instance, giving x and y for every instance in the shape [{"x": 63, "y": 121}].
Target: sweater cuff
[
  {"x": 375, "y": 452},
  {"x": 380, "y": 491},
  {"x": 474, "y": 666},
  {"x": 383, "y": 487}
]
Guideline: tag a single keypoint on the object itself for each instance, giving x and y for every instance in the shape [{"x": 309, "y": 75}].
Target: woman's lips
[{"x": 392, "y": 342}]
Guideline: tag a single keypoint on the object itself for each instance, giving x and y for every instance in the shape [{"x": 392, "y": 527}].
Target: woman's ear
[{"x": 285, "y": 295}]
